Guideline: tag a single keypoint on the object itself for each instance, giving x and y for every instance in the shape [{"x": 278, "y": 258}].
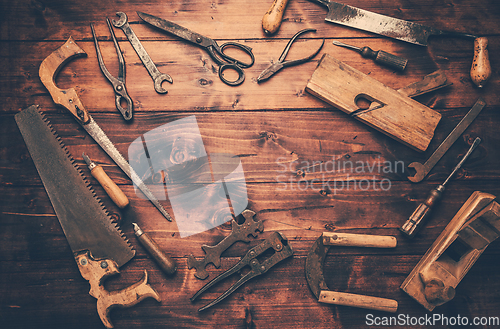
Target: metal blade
[
  {"x": 384, "y": 25},
  {"x": 314, "y": 267},
  {"x": 100, "y": 137},
  {"x": 83, "y": 218},
  {"x": 176, "y": 30}
]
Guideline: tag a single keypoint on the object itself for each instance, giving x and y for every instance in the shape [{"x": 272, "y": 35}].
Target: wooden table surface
[{"x": 276, "y": 128}]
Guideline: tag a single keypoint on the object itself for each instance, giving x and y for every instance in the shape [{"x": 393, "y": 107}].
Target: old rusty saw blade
[
  {"x": 384, "y": 25},
  {"x": 98, "y": 246},
  {"x": 69, "y": 99},
  {"x": 85, "y": 223}
]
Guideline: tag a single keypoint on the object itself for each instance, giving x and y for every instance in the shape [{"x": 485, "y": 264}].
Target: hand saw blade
[
  {"x": 384, "y": 25},
  {"x": 83, "y": 218},
  {"x": 100, "y": 137}
]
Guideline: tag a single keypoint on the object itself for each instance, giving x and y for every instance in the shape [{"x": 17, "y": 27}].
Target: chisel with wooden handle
[
  {"x": 271, "y": 21},
  {"x": 113, "y": 191}
]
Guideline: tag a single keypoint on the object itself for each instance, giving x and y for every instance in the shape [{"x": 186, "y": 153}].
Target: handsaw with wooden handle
[
  {"x": 406, "y": 31},
  {"x": 68, "y": 98},
  {"x": 98, "y": 245}
]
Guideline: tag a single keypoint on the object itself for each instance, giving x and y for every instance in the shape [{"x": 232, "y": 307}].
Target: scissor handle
[
  {"x": 230, "y": 59},
  {"x": 227, "y": 62},
  {"x": 235, "y": 67}
]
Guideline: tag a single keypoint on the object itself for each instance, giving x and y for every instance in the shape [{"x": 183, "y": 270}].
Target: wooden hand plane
[{"x": 433, "y": 281}]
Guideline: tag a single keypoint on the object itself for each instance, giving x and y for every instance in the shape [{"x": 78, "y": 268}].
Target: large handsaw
[
  {"x": 406, "y": 31},
  {"x": 98, "y": 245},
  {"x": 68, "y": 98}
]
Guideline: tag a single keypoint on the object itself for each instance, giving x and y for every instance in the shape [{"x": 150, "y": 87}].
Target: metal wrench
[
  {"x": 421, "y": 170},
  {"x": 158, "y": 77}
]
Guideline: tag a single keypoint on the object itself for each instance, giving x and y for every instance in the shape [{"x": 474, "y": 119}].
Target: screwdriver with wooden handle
[
  {"x": 165, "y": 262},
  {"x": 416, "y": 220},
  {"x": 114, "y": 192},
  {"x": 379, "y": 56}
]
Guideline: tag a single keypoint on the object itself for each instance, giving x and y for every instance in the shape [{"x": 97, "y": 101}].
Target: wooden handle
[
  {"x": 362, "y": 301},
  {"x": 480, "y": 71},
  {"x": 96, "y": 271},
  {"x": 48, "y": 71},
  {"x": 359, "y": 240},
  {"x": 114, "y": 192},
  {"x": 166, "y": 263},
  {"x": 272, "y": 18}
]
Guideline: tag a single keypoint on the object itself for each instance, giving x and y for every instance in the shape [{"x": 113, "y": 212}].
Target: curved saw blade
[
  {"x": 314, "y": 267},
  {"x": 85, "y": 222}
]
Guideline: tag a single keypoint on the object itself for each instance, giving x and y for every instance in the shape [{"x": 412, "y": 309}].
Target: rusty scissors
[
  {"x": 118, "y": 83},
  {"x": 215, "y": 51}
]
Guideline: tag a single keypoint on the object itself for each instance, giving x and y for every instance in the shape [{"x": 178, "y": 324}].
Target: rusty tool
[
  {"x": 118, "y": 83},
  {"x": 477, "y": 224},
  {"x": 156, "y": 75},
  {"x": 316, "y": 280},
  {"x": 421, "y": 170},
  {"x": 211, "y": 46},
  {"x": 114, "y": 192},
  {"x": 281, "y": 63},
  {"x": 68, "y": 98},
  {"x": 282, "y": 250},
  {"x": 379, "y": 56},
  {"x": 240, "y": 232},
  {"x": 98, "y": 246},
  {"x": 416, "y": 220},
  {"x": 166, "y": 263},
  {"x": 405, "y": 31},
  {"x": 271, "y": 21}
]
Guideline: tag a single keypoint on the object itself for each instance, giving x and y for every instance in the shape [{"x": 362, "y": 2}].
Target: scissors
[
  {"x": 214, "y": 50},
  {"x": 281, "y": 63},
  {"x": 118, "y": 83}
]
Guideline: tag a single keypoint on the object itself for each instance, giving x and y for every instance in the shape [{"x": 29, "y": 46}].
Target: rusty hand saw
[
  {"x": 69, "y": 100},
  {"x": 406, "y": 31},
  {"x": 98, "y": 245}
]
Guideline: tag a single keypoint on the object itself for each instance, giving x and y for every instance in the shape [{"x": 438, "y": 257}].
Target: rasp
[
  {"x": 69, "y": 100},
  {"x": 98, "y": 245},
  {"x": 403, "y": 30}
]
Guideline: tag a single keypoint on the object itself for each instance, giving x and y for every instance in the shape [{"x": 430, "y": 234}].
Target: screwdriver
[
  {"x": 413, "y": 224},
  {"x": 166, "y": 263},
  {"x": 114, "y": 192},
  {"x": 379, "y": 56}
]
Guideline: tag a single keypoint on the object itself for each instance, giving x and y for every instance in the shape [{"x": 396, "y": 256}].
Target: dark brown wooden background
[{"x": 40, "y": 285}]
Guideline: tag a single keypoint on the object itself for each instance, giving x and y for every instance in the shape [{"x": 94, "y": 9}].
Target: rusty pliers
[
  {"x": 118, "y": 83},
  {"x": 281, "y": 63},
  {"x": 276, "y": 241}
]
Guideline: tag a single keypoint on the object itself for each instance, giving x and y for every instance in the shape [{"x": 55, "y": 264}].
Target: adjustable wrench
[
  {"x": 421, "y": 170},
  {"x": 158, "y": 77}
]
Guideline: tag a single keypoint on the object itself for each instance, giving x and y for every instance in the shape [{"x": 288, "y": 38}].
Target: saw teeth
[{"x": 86, "y": 181}]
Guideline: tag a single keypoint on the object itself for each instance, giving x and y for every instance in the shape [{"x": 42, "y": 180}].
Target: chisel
[
  {"x": 413, "y": 224},
  {"x": 379, "y": 56},
  {"x": 114, "y": 192}
]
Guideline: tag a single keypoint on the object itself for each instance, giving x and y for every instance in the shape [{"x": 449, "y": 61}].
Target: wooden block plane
[
  {"x": 390, "y": 112},
  {"x": 433, "y": 281}
]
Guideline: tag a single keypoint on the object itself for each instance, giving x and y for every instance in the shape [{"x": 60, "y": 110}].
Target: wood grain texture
[{"x": 276, "y": 128}]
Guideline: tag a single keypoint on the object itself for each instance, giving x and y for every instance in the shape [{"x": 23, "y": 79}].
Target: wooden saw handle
[
  {"x": 362, "y": 301},
  {"x": 96, "y": 271},
  {"x": 48, "y": 71},
  {"x": 272, "y": 18},
  {"x": 480, "y": 71}
]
